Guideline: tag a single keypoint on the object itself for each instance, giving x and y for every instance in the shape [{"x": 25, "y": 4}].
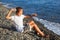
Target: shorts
[
  {"x": 20, "y": 29},
  {"x": 28, "y": 20}
]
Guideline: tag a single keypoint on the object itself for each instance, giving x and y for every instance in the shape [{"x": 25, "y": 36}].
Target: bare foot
[
  {"x": 40, "y": 34},
  {"x": 47, "y": 36}
]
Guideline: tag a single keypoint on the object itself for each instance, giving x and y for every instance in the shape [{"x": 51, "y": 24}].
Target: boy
[{"x": 18, "y": 20}]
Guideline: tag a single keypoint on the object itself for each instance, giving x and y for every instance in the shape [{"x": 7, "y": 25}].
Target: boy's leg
[{"x": 33, "y": 25}]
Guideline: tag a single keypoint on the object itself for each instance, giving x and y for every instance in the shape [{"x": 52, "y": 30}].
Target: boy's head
[{"x": 19, "y": 11}]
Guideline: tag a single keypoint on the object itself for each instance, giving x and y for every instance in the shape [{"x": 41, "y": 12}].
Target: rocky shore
[{"x": 7, "y": 32}]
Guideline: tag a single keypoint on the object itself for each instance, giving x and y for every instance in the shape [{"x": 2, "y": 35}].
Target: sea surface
[{"x": 48, "y": 11}]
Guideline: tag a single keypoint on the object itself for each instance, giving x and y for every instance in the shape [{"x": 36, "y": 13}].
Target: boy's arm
[
  {"x": 28, "y": 16},
  {"x": 9, "y": 13}
]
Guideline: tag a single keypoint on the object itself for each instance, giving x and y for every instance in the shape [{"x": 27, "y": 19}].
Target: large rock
[{"x": 9, "y": 33}]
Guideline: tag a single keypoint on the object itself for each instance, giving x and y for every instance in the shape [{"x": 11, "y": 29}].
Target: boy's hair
[{"x": 18, "y": 9}]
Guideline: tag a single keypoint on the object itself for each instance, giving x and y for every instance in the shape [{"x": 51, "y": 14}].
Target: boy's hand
[
  {"x": 13, "y": 9},
  {"x": 34, "y": 14}
]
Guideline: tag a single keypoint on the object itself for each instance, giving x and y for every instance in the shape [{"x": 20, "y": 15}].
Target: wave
[
  {"x": 55, "y": 27},
  {"x": 7, "y": 5}
]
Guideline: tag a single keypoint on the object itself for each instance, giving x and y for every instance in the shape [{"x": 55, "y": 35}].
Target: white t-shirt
[{"x": 18, "y": 22}]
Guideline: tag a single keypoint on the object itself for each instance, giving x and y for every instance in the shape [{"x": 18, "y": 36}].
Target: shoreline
[{"x": 50, "y": 25}]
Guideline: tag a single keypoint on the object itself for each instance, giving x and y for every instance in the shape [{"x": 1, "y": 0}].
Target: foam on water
[
  {"x": 7, "y": 5},
  {"x": 0, "y": 2},
  {"x": 55, "y": 27}
]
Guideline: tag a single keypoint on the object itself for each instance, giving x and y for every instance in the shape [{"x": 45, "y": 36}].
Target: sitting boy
[{"x": 18, "y": 21}]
